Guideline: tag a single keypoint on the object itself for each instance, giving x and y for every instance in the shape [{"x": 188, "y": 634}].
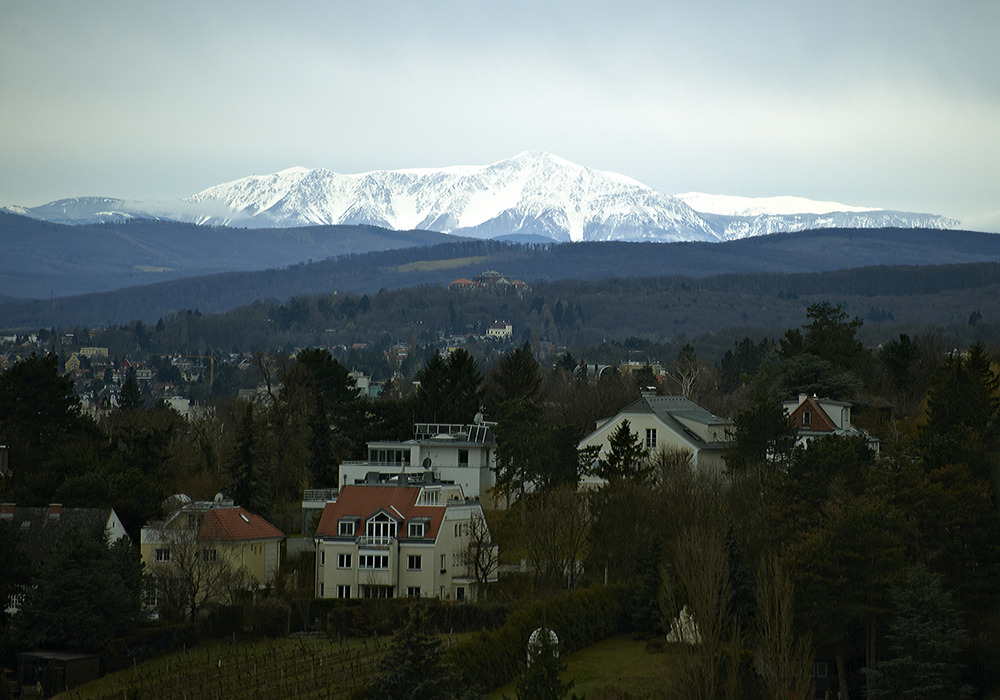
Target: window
[
  {"x": 376, "y": 562},
  {"x": 463, "y": 458},
  {"x": 376, "y": 591},
  {"x": 460, "y": 593},
  {"x": 208, "y": 555},
  {"x": 413, "y": 591},
  {"x": 162, "y": 555},
  {"x": 821, "y": 670},
  {"x": 416, "y": 529},
  {"x": 345, "y": 528},
  {"x": 321, "y": 589},
  {"x": 429, "y": 498},
  {"x": 343, "y": 591},
  {"x": 807, "y": 418},
  {"x": 149, "y": 594},
  {"x": 413, "y": 562},
  {"x": 322, "y": 558},
  {"x": 461, "y": 528},
  {"x": 443, "y": 569},
  {"x": 650, "y": 438},
  {"x": 343, "y": 561},
  {"x": 380, "y": 529},
  {"x": 388, "y": 457}
]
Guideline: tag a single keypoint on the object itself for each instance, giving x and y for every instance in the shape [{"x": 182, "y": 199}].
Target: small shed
[{"x": 56, "y": 671}]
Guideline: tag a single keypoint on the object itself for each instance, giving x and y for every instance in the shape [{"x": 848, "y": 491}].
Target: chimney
[
  {"x": 6, "y": 511},
  {"x": 54, "y": 510}
]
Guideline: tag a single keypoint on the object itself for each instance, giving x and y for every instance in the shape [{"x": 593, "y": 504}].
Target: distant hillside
[
  {"x": 814, "y": 251},
  {"x": 44, "y": 260}
]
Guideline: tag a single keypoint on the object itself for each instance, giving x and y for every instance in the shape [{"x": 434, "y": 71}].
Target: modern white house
[
  {"x": 407, "y": 537},
  {"x": 464, "y": 454},
  {"x": 669, "y": 423}
]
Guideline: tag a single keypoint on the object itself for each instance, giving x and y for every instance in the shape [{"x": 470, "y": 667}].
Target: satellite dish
[
  {"x": 478, "y": 419},
  {"x": 426, "y": 463}
]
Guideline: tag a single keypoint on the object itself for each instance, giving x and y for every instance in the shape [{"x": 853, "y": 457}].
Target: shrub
[{"x": 580, "y": 618}]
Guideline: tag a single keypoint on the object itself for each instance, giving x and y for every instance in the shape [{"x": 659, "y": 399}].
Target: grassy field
[
  {"x": 619, "y": 667},
  {"x": 615, "y": 668},
  {"x": 286, "y": 668},
  {"x": 425, "y": 265}
]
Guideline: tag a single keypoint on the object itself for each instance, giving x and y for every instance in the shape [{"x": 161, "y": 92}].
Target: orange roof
[
  {"x": 364, "y": 501},
  {"x": 462, "y": 282},
  {"x": 236, "y": 524}
]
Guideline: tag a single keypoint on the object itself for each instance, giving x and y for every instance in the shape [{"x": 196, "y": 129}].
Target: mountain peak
[{"x": 532, "y": 193}]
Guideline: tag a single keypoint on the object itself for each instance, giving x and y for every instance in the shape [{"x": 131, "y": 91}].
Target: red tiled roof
[
  {"x": 365, "y": 501},
  {"x": 236, "y": 524}
]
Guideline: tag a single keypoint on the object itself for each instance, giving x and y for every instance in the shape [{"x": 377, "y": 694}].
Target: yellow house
[
  {"x": 73, "y": 363},
  {"x": 244, "y": 540},
  {"x": 207, "y": 552}
]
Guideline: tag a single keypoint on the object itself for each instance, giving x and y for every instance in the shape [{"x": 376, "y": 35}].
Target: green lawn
[{"x": 620, "y": 662}]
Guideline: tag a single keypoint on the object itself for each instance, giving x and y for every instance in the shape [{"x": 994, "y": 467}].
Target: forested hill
[
  {"x": 805, "y": 252},
  {"x": 42, "y": 259}
]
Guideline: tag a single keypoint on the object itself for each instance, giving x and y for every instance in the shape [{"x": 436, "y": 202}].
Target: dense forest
[
  {"x": 885, "y": 567},
  {"x": 437, "y": 265},
  {"x": 608, "y": 321}
]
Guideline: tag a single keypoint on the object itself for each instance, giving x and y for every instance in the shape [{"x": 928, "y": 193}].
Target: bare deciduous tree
[
  {"x": 481, "y": 556},
  {"x": 783, "y": 659},
  {"x": 555, "y": 526},
  {"x": 192, "y": 574},
  {"x": 699, "y": 581}
]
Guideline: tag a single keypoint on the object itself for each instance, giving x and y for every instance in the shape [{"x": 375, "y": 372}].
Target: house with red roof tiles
[
  {"x": 815, "y": 417},
  {"x": 203, "y": 547},
  {"x": 412, "y": 537}
]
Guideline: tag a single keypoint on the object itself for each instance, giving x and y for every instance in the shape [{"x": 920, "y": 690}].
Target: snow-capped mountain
[
  {"x": 532, "y": 193},
  {"x": 733, "y": 217}
]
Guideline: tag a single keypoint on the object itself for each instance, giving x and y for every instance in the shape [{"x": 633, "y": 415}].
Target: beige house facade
[{"x": 403, "y": 539}]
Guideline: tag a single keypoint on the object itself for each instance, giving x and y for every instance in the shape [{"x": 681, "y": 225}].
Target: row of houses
[{"x": 407, "y": 521}]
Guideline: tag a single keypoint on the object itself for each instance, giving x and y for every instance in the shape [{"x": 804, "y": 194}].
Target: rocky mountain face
[{"x": 531, "y": 194}]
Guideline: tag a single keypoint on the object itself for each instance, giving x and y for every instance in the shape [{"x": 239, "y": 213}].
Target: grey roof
[
  {"x": 679, "y": 413},
  {"x": 40, "y": 532}
]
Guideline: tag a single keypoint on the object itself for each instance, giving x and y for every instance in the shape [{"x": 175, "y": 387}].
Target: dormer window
[
  {"x": 417, "y": 529},
  {"x": 380, "y": 529},
  {"x": 345, "y": 528}
]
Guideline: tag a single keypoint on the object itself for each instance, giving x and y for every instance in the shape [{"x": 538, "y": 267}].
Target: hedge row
[
  {"x": 364, "y": 618},
  {"x": 580, "y": 618}
]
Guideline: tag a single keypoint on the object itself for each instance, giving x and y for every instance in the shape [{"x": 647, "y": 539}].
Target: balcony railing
[{"x": 376, "y": 540}]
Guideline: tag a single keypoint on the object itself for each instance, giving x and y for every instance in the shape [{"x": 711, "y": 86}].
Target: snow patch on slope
[{"x": 731, "y": 205}]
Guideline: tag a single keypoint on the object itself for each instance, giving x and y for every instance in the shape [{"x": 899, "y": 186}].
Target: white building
[{"x": 461, "y": 453}]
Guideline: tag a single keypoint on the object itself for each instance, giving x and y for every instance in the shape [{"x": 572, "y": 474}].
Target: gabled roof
[
  {"x": 819, "y": 420},
  {"x": 363, "y": 501},
  {"x": 682, "y": 415},
  {"x": 236, "y": 525},
  {"x": 41, "y": 528}
]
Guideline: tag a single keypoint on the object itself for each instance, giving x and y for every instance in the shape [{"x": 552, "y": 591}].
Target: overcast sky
[{"x": 885, "y": 104}]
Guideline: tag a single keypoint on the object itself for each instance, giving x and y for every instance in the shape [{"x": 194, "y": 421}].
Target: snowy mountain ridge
[{"x": 532, "y": 193}]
